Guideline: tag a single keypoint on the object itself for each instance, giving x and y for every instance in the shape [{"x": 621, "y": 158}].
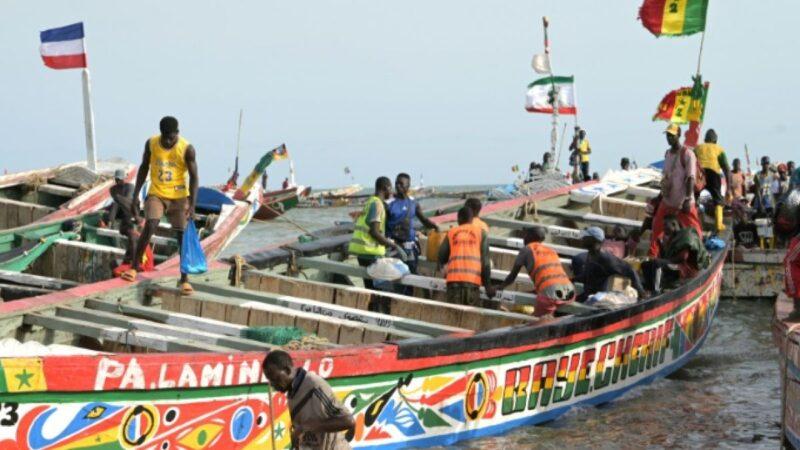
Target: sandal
[
  {"x": 128, "y": 275},
  {"x": 186, "y": 288}
]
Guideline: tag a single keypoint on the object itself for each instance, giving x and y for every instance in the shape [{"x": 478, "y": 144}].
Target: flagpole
[
  {"x": 554, "y": 130},
  {"x": 238, "y": 141},
  {"x": 700, "y": 54},
  {"x": 88, "y": 120}
]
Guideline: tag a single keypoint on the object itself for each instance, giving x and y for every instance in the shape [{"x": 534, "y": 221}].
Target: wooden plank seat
[
  {"x": 332, "y": 310},
  {"x": 132, "y": 323},
  {"x": 589, "y": 218},
  {"x": 468, "y": 317},
  {"x": 55, "y": 189},
  {"x": 438, "y": 284},
  {"x": 151, "y": 341},
  {"x": 255, "y": 314}
]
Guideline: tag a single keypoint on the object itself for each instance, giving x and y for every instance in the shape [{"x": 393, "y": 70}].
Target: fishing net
[{"x": 290, "y": 338}]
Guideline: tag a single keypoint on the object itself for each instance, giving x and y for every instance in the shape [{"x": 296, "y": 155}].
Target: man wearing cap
[
  {"x": 677, "y": 188},
  {"x": 121, "y": 209},
  {"x": 599, "y": 265}
]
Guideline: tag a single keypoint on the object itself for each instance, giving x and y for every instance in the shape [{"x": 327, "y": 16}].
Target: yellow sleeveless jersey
[
  {"x": 168, "y": 179},
  {"x": 708, "y": 156}
]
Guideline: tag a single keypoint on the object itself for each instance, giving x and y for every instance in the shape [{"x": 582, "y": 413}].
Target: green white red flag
[{"x": 539, "y": 98}]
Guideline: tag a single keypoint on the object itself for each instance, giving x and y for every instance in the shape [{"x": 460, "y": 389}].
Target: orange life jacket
[
  {"x": 548, "y": 275},
  {"x": 464, "y": 265}
]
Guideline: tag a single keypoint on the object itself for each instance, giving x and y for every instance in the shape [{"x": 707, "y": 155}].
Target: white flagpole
[{"x": 88, "y": 120}]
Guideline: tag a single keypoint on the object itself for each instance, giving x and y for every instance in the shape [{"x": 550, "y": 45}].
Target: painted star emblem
[
  {"x": 24, "y": 378},
  {"x": 279, "y": 429}
]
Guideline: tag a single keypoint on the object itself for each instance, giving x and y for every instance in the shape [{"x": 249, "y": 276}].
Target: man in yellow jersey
[
  {"x": 580, "y": 146},
  {"x": 475, "y": 206},
  {"x": 167, "y": 158},
  {"x": 713, "y": 161}
]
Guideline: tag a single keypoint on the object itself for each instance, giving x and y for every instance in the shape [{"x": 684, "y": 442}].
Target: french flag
[{"x": 62, "y": 48}]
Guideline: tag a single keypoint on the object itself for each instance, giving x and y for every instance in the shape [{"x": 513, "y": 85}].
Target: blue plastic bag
[{"x": 193, "y": 260}]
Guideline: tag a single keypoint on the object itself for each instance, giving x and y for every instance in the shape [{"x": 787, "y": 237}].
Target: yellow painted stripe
[{"x": 674, "y": 16}]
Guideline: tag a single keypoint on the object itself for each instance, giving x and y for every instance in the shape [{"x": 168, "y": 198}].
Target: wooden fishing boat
[
  {"x": 276, "y": 203},
  {"x": 148, "y": 368},
  {"x": 786, "y": 333},
  {"x": 57, "y": 192},
  {"x": 60, "y": 254}
]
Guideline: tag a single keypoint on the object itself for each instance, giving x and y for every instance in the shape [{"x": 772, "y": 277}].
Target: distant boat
[
  {"x": 57, "y": 192},
  {"x": 276, "y": 203}
]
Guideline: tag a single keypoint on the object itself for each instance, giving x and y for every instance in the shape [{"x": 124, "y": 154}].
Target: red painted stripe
[
  {"x": 652, "y": 15},
  {"x": 515, "y": 202},
  {"x": 65, "y": 61}
]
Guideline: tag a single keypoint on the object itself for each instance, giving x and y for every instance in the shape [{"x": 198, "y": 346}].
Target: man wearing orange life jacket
[
  {"x": 475, "y": 205},
  {"x": 551, "y": 284},
  {"x": 465, "y": 251}
]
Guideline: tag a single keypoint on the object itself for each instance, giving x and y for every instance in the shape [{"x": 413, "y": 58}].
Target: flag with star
[{"x": 22, "y": 375}]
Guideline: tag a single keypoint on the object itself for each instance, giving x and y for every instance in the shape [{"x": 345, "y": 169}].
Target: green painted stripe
[
  {"x": 3, "y": 385},
  {"x": 694, "y": 20},
  {"x": 550, "y": 80}
]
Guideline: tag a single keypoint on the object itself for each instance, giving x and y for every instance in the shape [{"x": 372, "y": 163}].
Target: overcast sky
[{"x": 427, "y": 87}]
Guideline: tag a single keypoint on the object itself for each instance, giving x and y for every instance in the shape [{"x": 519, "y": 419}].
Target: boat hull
[
  {"x": 788, "y": 343},
  {"x": 275, "y": 204},
  {"x": 753, "y": 273},
  {"x": 413, "y": 393}
]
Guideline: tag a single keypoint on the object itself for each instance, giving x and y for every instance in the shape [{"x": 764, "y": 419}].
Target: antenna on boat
[{"x": 238, "y": 143}]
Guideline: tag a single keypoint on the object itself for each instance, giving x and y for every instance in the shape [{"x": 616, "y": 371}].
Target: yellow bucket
[{"x": 435, "y": 239}]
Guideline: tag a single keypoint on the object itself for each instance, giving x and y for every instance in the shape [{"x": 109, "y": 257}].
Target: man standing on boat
[
  {"x": 122, "y": 210},
  {"x": 677, "y": 188},
  {"x": 580, "y": 146},
  {"x": 167, "y": 158},
  {"x": 712, "y": 159},
  {"x": 401, "y": 211},
  {"x": 551, "y": 284},
  {"x": 318, "y": 417},
  {"x": 369, "y": 240},
  {"x": 465, "y": 253}
]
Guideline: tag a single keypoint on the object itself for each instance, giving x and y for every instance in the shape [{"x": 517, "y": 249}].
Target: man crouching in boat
[
  {"x": 597, "y": 266},
  {"x": 167, "y": 158},
  {"x": 465, "y": 252},
  {"x": 681, "y": 256},
  {"x": 551, "y": 284},
  {"x": 318, "y": 417}
]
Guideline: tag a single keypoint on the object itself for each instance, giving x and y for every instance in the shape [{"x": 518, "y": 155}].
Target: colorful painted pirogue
[
  {"x": 165, "y": 371},
  {"x": 56, "y": 193},
  {"x": 786, "y": 332},
  {"x": 276, "y": 203}
]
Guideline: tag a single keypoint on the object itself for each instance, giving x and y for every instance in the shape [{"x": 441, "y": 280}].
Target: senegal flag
[
  {"x": 674, "y": 17},
  {"x": 684, "y": 105},
  {"x": 540, "y": 94}
]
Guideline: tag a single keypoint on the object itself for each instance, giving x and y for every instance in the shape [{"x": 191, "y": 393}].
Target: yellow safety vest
[
  {"x": 362, "y": 243},
  {"x": 168, "y": 178},
  {"x": 708, "y": 156}
]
